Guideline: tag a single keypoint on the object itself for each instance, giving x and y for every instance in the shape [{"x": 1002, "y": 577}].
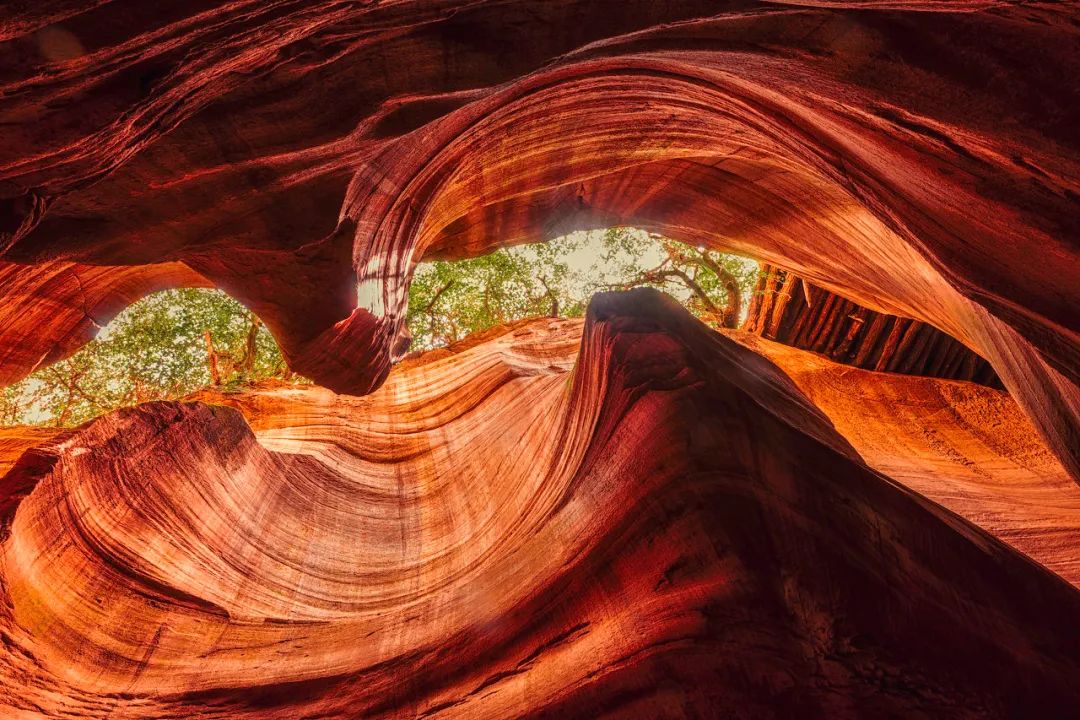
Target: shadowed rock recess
[{"x": 630, "y": 516}]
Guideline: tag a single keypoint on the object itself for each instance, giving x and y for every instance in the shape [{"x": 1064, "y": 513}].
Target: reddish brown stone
[
  {"x": 918, "y": 158},
  {"x": 677, "y": 528},
  {"x": 673, "y": 530}
]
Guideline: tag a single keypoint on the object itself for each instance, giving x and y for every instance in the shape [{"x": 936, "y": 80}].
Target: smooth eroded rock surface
[
  {"x": 663, "y": 526},
  {"x": 919, "y": 158}
]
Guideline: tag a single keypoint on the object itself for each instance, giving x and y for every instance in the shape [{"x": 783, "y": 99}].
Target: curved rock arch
[
  {"x": 948, "y": 197},
  {"x": 631, "y": 516}
]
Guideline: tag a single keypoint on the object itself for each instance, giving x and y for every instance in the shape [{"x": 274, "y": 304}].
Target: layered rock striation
[
  {"x": 665, "y": 526},
  {"x": 633, "y": 517},
  {"x": 919, "y": 158}
]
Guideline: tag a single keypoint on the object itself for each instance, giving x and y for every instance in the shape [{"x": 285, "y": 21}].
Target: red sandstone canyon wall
[
  {"x": 630, "y": 517},
  {"x": 505, "y": 532},
  {"x": 906, "y": 155}
]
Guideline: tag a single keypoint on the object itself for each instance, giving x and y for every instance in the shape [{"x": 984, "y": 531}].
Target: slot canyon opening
[
  {"x": 173, "y": 343},
  {"x": 449, "y": 299},
  {"x": 590, "y": 489},
  {"x": 164, "y": 346}
]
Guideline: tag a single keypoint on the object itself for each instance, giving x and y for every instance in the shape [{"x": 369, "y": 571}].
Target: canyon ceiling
[{"x": 629, "y": 516}]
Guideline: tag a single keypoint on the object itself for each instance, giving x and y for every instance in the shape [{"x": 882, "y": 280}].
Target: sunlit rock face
[
  {"x": 663, "y": 526},
  {"x": 919, "y": 158},
  {"x": 634, "y": 517},
  {"x": 967, "y": 447}
]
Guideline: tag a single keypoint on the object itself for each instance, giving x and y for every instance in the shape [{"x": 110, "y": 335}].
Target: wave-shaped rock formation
[
  {"x": 918, "y": 157},
  {"x": 663, "y": 527},
  {"x": 636, "y": 517}
]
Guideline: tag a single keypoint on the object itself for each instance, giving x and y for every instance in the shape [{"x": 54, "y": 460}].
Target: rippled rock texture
[
  {"x": 919, "y": 158},
  {"x": 664, "y": 526}
]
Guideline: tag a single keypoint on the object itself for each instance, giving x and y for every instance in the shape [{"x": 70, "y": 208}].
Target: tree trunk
[
  {"x": 554, "y": 299},
  {"x": 247, "y": 360},
  {"x": 733, "y": 307},
  {"x": 212, "y": 358},
  {"x": 823, "y": 322}
]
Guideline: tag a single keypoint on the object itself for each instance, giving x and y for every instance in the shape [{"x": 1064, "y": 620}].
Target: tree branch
[
  {"x": 658, "y": 276},
  {"x": 733, "y": 308},
  {"x": 548, "y": 292},
  {"x": 247, "y": 360},
  {"x": 696, "y": 289},
  {"x": 435, "y": 298}
]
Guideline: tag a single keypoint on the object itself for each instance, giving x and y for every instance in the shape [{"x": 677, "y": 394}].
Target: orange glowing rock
[
  {"x": 920, "y": 158},
  {"x": 669, "y": 528},
  {"x": 662, "y": 524}
]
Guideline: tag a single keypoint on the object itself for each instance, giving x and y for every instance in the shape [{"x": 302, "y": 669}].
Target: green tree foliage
[
  {"x": 448, "y": 300},
  {"x": 164, "y": 346},
  {"x": 172, "y": 343}
]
